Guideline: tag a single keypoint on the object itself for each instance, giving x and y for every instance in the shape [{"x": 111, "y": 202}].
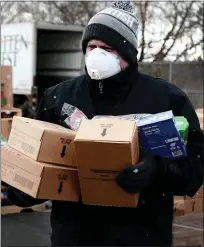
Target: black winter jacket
[{"x": 150, "y": 224}]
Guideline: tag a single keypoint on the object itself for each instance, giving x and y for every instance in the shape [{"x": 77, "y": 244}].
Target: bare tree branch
[
  {"x": 160, "y": 54},
  {"x": 188, "y": 48},
  {"x": 179, "y": 31},
  {"x": 169, "y": 30},
  {"x": 143, "y": 15}
]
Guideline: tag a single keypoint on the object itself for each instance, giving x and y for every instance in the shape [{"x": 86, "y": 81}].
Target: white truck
[{"x": 41, "y": 56}]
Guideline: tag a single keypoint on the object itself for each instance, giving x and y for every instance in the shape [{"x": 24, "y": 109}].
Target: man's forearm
[
  {"x": 183, "y": 176},
  {"x": 21, "y": 199}
]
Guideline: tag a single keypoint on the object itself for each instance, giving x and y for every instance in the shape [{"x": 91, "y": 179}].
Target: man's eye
[
  {"x": 106, "y": 48},
  {"x": 109, "y": 49}
]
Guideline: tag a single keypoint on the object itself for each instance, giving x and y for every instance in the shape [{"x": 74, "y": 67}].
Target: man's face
[{"x": 92, "y": 44}]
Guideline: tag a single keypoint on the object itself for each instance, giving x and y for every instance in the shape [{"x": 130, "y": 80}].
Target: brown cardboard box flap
[
  {"x": 35, "y": 128},
  {"x": 108, "y": 130}
]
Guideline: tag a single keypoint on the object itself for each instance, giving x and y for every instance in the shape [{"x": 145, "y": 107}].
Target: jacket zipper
[{"x": 100, "y": 85}]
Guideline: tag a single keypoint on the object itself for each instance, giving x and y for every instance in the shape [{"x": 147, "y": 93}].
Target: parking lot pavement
[
  {"x": 188, "y": 230},
  {"x": 33, "y": 229}
]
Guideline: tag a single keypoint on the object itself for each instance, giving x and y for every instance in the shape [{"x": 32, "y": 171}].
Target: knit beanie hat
[{"x": 117, "y": 26}]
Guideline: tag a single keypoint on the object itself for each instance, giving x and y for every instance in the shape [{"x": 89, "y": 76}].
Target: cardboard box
[
  {"x": 39, "y": 180},
  {"x": 182, "y": 207},
  {"x": 179, "y": 207},
  {"x": 42, "y": 141},
  {"x": 189, "y": 206},
  {"x": 6, "y": 87},
  {"x": 176, "y": 198},
  {"x": 104, "y": 147},
  {"x": 6, "y": 127},
  {"x": 199, "y": 205},
  {"x": 193, "y": 205}
]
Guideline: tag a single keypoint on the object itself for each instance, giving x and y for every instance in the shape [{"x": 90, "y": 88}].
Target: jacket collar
[{"x": 114, "y": 88}]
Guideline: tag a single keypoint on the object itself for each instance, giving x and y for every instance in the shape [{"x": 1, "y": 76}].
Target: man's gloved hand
[
  {"x": 21, "y": 199},
  {"x": 138, "y": 177}
]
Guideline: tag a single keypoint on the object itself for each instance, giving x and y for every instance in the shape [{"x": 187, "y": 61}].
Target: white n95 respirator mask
[{"x": 102, "y": 64}]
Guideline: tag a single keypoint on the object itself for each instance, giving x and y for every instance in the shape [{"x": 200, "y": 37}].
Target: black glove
[
  {"x": 136, "y": 178},
  {"x": 195, "y": 143}
]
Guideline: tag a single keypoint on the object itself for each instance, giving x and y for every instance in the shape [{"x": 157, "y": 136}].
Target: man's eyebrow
[
  {"x": 101, "y": 46},
  {"x": 91, "y": 45}
]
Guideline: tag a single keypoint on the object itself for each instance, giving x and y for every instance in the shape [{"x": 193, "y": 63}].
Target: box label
[
  {"x": 24, "y": 143},
  {"x": 18, "y": 178}
]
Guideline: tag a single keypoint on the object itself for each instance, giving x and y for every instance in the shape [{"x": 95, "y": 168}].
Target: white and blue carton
[{"x": 159, "y": 136}]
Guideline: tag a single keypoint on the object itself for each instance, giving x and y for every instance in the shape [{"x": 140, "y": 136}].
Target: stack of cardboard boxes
[
  {"x": 40, "y": 160},
  {"x": 48, "y": 161},
  {"x": 186, "y": 205},
  {"x": 6, "y": 87},
  {"x": 7, "y": 109},
  {"x": 6, "y": 120}
]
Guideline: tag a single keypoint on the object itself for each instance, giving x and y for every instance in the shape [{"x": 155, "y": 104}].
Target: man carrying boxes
[{"x": 113, "y": 85}]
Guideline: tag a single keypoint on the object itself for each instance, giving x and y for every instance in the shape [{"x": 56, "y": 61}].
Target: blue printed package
[{"x": 159, "y": 136}]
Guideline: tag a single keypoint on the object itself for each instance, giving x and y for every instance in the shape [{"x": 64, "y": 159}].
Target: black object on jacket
[{"x": 150, "y": 224}]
